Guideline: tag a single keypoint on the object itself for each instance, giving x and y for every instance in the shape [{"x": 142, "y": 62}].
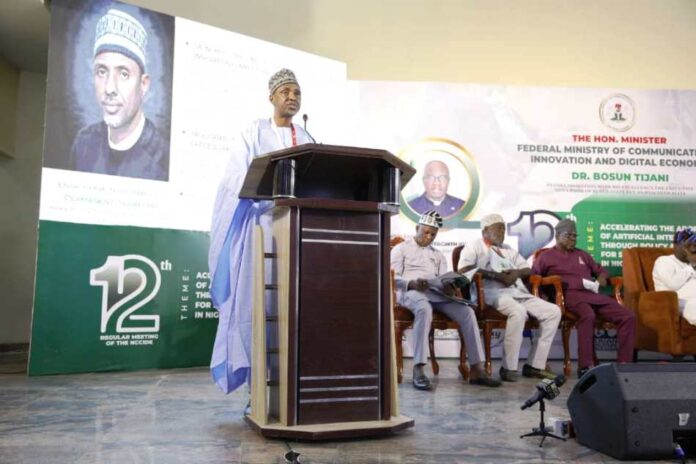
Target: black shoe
[
  {"x": 534, "y": 373},
  {"x": 485, "y": 381},
  {"x": 508, "y": 375},
  {"x": 582, "y": 371},
  {"x": 420, "y": 380}
]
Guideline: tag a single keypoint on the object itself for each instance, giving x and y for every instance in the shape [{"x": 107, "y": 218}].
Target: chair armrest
[
  {"x": 480, "y": 295},
  {"x": 659, "y": 310},
  {"x": 617, "y": 287},
  {"x": 658, "y": 321},
  {"x": 554, "y": 281}
]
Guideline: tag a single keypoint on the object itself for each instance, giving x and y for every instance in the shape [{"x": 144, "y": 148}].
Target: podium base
[{"x": 332, "y": 431}]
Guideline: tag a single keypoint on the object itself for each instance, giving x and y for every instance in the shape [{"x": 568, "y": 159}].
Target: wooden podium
[{"x": 323, "y": 363}]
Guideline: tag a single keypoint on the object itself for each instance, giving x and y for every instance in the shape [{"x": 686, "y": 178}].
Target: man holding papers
[{"x": 416, "y": 262}]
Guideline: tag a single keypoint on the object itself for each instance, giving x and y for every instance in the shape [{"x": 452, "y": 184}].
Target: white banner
[
  {"x": 206, "y": 85},
  {"x": 621, "y": 162}
]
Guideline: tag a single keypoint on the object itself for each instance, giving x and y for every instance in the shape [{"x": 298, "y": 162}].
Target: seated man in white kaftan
[
  {"x": 502, "y": 269},
  {"x": 677, "y": 273},
  {"x": 231, "y": 240},
  {"x": 415, "y": 262}
]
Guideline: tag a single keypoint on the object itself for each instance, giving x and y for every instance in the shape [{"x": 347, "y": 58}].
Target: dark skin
[
  {"x": 685, "y": 252},
  {"x": 286, "y": 101},
  {"x": 566, "y": 241},
  {"x": 680, "y": 253},
  {"x": 425, "y": 235},
  {"x": 495, "y": 235}
]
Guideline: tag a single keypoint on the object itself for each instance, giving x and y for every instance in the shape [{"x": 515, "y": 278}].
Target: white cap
[
  {"x": 491, "y": 219},
  {"x": 121, "y": 33},
  {"x": 431, "y": 218}
]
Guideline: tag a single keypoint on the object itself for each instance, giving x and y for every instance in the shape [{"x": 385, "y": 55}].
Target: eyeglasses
[{"x": 440, "y": 179}]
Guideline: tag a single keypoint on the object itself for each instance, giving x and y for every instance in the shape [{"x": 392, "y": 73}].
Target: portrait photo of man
[
  {"x": 436, "y": 181},
  {"x": 124, "y": 142},
  {"x": 116, "y": 87}
]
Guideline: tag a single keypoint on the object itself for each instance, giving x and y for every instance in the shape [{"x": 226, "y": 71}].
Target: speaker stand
[{"x": 541, "y": 431}]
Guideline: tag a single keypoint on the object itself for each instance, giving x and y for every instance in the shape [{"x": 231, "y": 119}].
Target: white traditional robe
[
  {"x": 230, "y": 258},
  {"x": 669, "y": 273}
]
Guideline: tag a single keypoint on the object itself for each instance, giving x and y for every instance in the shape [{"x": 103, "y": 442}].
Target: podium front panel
[{"x": 338, "y": 327}]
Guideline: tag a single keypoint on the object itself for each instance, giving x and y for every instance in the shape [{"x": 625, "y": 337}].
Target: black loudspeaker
[{"x": 636, "y": 411}]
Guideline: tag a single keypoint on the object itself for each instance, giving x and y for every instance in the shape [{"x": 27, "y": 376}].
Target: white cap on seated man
[{"x": 503, "y": 268}]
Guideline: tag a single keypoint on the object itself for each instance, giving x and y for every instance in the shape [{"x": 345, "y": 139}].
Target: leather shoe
[
  {"x": 420, "y": 380},
  {"x": 485, "y": 381},
  {"x": 508, "y": 375},
  {"x": 534, "y": 373}
]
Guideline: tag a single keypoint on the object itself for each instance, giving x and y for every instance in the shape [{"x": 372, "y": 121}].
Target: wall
[
  {"x": 593, "y": 43},
  {"x": 9, "y": 84},
  {"x": 19, "y": 203}
]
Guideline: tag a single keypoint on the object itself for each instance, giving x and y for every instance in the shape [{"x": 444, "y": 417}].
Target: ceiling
[{"x": 24, "y": 28}]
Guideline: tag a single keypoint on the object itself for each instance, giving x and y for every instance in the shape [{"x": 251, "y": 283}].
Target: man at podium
[
  {"x": 230, "y": 255},
  {"x": 415, "y": 262}
]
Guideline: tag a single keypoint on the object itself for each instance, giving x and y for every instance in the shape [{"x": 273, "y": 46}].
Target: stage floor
[{"x": 179, "y": 416}]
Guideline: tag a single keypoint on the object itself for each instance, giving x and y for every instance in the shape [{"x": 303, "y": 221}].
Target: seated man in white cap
[
  {"x": 124, "y": 142},
  {"x": 414, "y": 262},
  {"x": 502, "y": 269},
  {"x": 677, "y": 273},
  {"x": 229, "y": 257}
]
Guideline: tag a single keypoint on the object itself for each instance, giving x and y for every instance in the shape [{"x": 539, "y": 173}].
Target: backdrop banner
[
  {"x": 133, "y": 297},
  {"x": 141, "y": 111},
  {"x": 622, "y": 163}
]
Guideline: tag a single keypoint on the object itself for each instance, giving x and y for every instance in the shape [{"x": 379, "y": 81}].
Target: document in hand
[
  {"x": 439, "y": 283},
  {"x": 591, "y": 285}
]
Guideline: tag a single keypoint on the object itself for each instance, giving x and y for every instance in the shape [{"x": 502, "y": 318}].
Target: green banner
[
  {"x": 120, "y": 298},
  {"x": 607, "y": 225}
]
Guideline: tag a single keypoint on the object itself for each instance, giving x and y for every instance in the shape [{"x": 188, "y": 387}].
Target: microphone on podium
[
  {"x": 305, "y": 118},
  {"x": 546, "y": 389}
]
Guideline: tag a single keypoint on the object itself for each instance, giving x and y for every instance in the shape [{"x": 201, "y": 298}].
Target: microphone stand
[
  {"x": 304, "y": 118},
  {"x": 541, "y": 431}
]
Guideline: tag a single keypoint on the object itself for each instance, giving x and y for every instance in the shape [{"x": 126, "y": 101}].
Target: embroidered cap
[
  {"x": 431, "y": 218},
  {"x": 121, "y": 33},
  {"x": 685, "y": 235},
  {"x": 282, "y": 77},
  {"x": 565, "y": 225},
  {"x": 491, "y": 219}
]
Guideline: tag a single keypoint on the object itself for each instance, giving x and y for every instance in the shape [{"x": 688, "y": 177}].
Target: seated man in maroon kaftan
[{"x": 581, "y": 277}]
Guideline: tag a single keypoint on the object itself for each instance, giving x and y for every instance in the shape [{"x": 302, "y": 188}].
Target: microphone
[
  {"x": 305, "y": 118},
  {"x": 545, "y": 389}
]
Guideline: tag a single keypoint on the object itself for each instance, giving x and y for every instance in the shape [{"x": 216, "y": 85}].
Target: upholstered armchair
[{"x": 659, "y": 325}]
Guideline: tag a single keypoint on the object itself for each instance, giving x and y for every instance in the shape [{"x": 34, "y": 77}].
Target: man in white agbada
[
  {"x": 414, "y": 262},
  {"x": 502, "y": 269},
  {"x": 677, "y": 273},
  {"x": 231, "y": 240}
]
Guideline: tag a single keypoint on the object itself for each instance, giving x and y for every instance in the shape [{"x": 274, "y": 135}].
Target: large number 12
[{"x": 124, "y": 288}]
